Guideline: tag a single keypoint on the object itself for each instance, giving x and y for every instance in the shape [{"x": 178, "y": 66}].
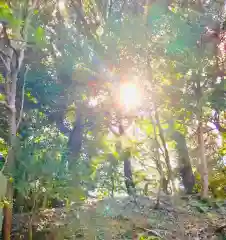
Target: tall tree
[{"x": 13, "y": 48}]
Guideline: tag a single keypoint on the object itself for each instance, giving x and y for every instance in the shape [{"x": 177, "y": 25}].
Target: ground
[{"x": 124, "y": 218}]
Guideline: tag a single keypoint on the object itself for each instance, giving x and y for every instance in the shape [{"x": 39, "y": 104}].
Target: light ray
[{"x": 130, "y": 96}]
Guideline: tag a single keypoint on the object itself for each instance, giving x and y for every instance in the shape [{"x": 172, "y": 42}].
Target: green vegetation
[{"x": 113, "y": 119}]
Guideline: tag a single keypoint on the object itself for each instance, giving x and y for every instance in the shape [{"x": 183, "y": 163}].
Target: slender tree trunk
[
  {"x": 12, "y": 71},
  {"x": 126, "y": 154},
  {"x": 128, "y": 175},
  {"x": 7, "y": 211},
  {"x": 112, "y": 185},
  {"x": 75, "y": 138},
  {"x": 166, "y": 153},
  {"x": 12, "y": 64},
  {"x": 161, "y": 174},
  {"x": 11, "y": 98},
  {"x": 203, "y": 161},
  {"x": 202, "y": 156},
  {"x": 159, "y": 167}
]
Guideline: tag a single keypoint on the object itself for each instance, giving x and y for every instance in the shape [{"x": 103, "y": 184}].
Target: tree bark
[
  {"x": 10, "y": 164},
  {"x": 75, "y": 138},
  {"x": 128, "y": 175},
  {"x": 166, "y": 153},
  {"x": 159, "y": 167},
  {"x": 12, "y": 66},
  {"x": 184, "y": 163},
  {"x": 203, "y": 161},
  {"x": 202, "y": 156}
]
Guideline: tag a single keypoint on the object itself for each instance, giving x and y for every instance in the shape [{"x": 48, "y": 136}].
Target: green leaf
[
  {"x": 1, "y": 78},
  {"x": 2, "y": 97},
  {"x": 84, "y": 97},
  {"x": 31, "y": 98},
  {"x": 36, "y": 11},
  {"x": 39, "y": 35},
  {"x": 146, "y": 126}
]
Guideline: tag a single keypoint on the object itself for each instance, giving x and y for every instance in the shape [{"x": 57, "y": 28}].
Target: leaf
[
  {"x": 2, "y": 79},
  {"x": 146, "y": 126},
  {"x": 31, "y": 98},
  {"x": 36, "y": 11},
  {"x": 84, "y": 97},
  {"x": 2, "y": 97},
  {"x": 202, "y": 208},
  {"x": 39, "y": 35}
]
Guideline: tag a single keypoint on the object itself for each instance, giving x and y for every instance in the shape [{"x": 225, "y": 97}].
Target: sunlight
[
  {"x": 93, "y": 102},
  {"x": 130, "y": 95},
  {"x": 61, "y": 5}
]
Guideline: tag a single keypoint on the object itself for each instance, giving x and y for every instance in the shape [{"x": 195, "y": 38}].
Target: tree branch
[
  {"x": 3, "y": 60},
  {"x": 22, "y": 99}
]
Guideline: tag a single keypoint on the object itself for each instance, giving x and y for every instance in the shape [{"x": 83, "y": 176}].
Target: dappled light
[{"x": 112, "y": 120}]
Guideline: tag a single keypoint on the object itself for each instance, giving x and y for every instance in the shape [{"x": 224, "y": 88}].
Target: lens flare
[{"x": 130, "y": 95}]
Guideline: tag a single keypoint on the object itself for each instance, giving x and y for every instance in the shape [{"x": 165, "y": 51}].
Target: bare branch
[
  {"x": 22, "y": 98},
  {"x": 22, "y": 41},
  {"x": 3, "y": 60}
]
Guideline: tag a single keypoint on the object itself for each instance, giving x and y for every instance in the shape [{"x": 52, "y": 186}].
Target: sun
[
  {"x": 130, "y": 96},
  {"x": 61, "y": 4}
]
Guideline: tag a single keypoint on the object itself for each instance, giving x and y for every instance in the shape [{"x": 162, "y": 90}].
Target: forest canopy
[{"x": 108, "y": 99}]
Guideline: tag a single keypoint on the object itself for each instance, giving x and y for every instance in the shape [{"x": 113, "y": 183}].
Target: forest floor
[{"x": 124, "y": 218}]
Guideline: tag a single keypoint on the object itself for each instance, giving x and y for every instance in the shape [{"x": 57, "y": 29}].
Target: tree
[
  {"x": 12, "y": 56},
  {"x": 83, "y": 53}
]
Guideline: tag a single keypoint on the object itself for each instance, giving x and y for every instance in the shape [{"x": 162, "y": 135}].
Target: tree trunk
[
  {"x": 125, "y": 155},
  {"x": 112, "y": 186},
  {"x": 9, "y": 168},
  {"x": 184, "y": 163},
  {"x": 201, "y": 144},
  {"x": 12, "y": 64},
  {"x": 12, "y": 71},
  {"x": 128, "y": 175},
  {"x": 166, "y": 153},
  {"x": 7, "y": 221},
  {"x": 158, "y": 166},
  {"x": 75, "y": 138},
  {"x": 203, "y": 162}
]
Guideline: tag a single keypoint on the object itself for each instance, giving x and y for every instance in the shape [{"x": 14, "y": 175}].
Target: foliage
[
  {"x": 78, "y": 56},
  {"x": 43, "y": 174},
  {"x": 217, "y": 183}
]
